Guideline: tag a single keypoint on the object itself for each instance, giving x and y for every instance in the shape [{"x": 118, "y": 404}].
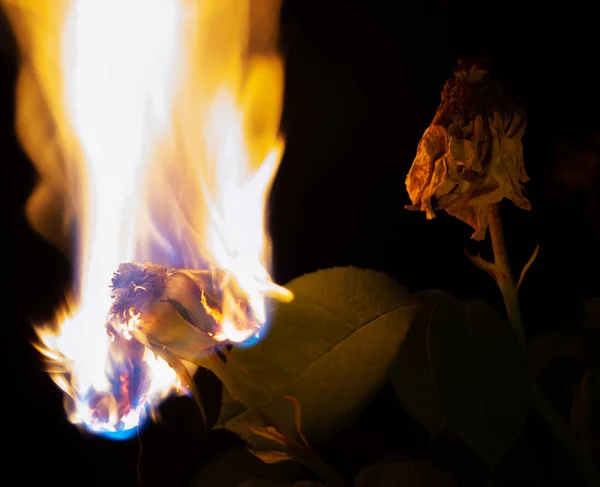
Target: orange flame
[{"x": 154, "y": 126}]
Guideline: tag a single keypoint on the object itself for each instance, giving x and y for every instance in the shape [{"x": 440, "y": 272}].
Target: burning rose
[
  {"x": 471, "y": 156},
  {"x": 177, "y": 309}
]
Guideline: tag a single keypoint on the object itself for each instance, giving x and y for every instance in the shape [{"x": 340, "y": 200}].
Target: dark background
[{"x": 363, "y": 82}]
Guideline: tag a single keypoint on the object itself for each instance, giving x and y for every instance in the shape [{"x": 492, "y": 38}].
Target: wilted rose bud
[{"x": 471, "y": 156}]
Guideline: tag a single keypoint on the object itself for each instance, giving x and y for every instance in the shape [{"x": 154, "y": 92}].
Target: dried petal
[{"x": 428, "y": 169}]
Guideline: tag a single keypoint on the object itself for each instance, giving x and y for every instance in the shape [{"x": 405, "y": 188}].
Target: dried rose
[{"x": 471, "y": 156}]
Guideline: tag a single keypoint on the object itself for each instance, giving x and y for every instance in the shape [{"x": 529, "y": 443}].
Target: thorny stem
[
  {"x": 240, "y": 386},
  {"x": 506, "y": 283}
]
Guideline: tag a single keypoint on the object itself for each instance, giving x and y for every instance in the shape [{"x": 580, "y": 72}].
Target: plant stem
[
  {"x": 508, "y": 289},
  {"x": 505, "y": 280},
  {"x": 235, "y": 378}
]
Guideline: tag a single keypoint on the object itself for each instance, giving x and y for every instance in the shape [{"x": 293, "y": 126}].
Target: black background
[{"x": 363, "y": 80}]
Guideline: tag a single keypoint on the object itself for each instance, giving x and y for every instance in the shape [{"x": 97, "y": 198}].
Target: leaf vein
[{"x": 313, "y": 364}]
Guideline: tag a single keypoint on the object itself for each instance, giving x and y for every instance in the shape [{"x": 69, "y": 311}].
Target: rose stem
[
  {"x": 236, "y": 379},
  {"x": 508, "y": 289},
  {"x": 505, "y": 279}
]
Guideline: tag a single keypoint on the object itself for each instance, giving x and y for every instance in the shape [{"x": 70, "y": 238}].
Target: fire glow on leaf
[{"x": 330, "y": 349}]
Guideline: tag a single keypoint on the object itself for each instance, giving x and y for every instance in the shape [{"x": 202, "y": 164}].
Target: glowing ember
[{"x": 154, "y": 127}]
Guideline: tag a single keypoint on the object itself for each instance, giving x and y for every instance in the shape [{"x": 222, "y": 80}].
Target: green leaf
[
  {"x": 237, "y": 465},
  {"x": 462, "y": 369},
  {"x": 330, "y": 348},
  {"x": 413, "y": 379},
  {"x": 403, "y": 474}
]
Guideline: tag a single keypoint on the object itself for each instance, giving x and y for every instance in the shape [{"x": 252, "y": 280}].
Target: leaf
[
  {"x": 562, "y": 343},
  {"x": 269, "y": 433},
  {"x": 271, "y": 456},
  {"x": 591, "y": 332},
  {"x": 585, "y": 417},
  {"x": 277, "y": 483},
  {"x": 403, "y": 474},
  {"x": 580, "y": 343},
  {"x": 412, "y": 377},
  {"x": 183, "y": 375},
  {"x": 580, "y": 409},
  {"x": 185, "y": 314},
  {"x": 168, "y": 328},
  {"x": 298, "y": 418},
  {"x": 237, "y": 465},
  {"x": 462, "y": 368},
  {"x": 330, "y": 348},
  {"x": 265, "y": 483},
  {"x": 592, "y": 429}
]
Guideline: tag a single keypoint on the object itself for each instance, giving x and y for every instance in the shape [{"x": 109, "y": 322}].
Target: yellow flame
[{"x": 154, "y": 126}]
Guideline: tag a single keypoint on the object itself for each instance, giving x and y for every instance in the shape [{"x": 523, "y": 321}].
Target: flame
[{"x": 154, "y": 127}]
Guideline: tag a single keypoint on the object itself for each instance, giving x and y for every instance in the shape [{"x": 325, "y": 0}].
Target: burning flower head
[
  {"x": 471, "y": 156},
  {"x": 186, "y": 312}
]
